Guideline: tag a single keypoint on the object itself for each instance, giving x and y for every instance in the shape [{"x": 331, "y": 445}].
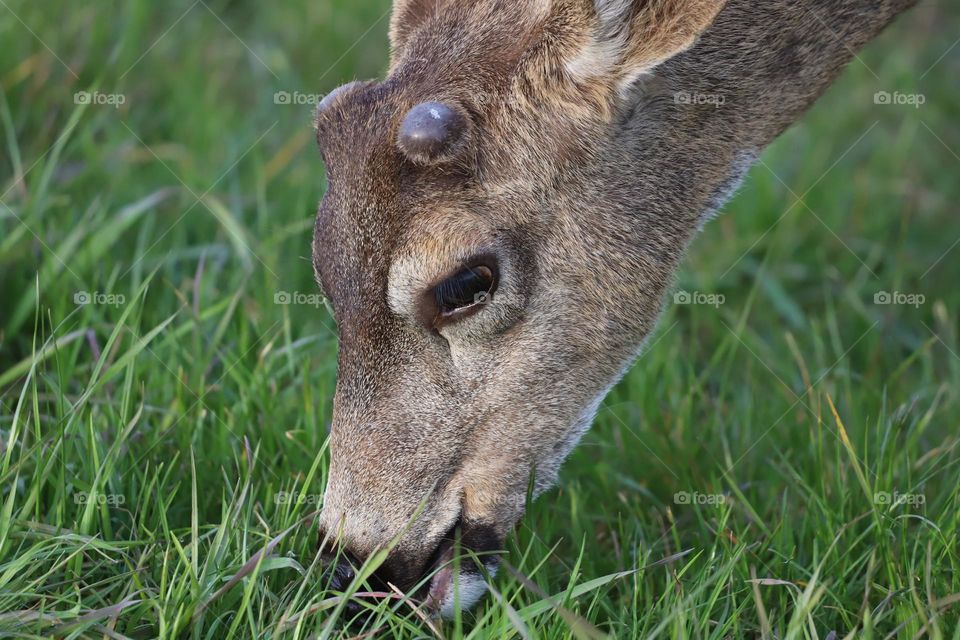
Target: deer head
[{"x": 504, "y": 215}]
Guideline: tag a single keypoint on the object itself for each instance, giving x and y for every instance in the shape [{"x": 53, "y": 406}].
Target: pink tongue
[{"x": 440, "y": 584}]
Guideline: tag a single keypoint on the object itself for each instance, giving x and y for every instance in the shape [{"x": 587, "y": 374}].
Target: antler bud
[{"x": 432, "y": 132}]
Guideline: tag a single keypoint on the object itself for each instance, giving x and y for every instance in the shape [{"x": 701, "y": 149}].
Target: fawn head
[{"x": 490, "y": 264}]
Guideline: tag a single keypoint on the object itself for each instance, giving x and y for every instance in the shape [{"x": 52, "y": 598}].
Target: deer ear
[
  {"x": 407, "y": 16},
  {"x": 637, "y": 35},
  {"x": 663, "y": 28}
]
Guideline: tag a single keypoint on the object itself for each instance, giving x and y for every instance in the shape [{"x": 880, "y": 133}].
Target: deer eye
[{"x": 465, "y": 292}]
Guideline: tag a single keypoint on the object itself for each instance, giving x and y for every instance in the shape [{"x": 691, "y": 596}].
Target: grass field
[{"x": 782, "y": 461}]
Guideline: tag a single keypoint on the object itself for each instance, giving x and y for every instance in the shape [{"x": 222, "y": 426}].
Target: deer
[{"x": 503, "y": 218}]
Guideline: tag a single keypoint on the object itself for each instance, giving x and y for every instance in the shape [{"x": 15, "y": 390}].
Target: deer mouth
[
  {"x": 455, "y": 577},
  {"x": 459, "y": 580}
]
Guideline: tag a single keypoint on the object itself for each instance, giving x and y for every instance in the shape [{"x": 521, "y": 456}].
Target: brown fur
[{"x": 585, "y": 177}]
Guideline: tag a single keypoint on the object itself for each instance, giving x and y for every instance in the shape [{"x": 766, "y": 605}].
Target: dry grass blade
[
  {"x": 419, "y": 612},
  {"x": 937, "y": 607},
  {"x": 765, "y": 629},
  {"x": 111, "y": 611},
  {"x": 671, "y": 558},
  {"x": 329, "y": 603},
  {"x": 848, "y": 445},
  {"x": 62, "y": 619}
]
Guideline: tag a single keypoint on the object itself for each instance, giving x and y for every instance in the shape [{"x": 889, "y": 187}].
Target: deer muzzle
[{"x": 454, "y": 575}]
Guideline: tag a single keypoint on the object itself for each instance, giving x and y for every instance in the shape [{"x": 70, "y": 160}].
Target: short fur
[{"x": 586, "y": 176}]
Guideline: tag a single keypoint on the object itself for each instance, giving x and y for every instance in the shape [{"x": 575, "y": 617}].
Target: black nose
[
  {"x": 339, "y": 571},
  {"x": 341, "y": 574},
  {"x": 340, "y": 568}
]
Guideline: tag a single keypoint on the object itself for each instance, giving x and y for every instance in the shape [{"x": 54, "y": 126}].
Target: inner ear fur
[
  {"x": 602, "y": 45},
  {"x": 590, "y": 52},
  {"x": 628, "y": 38},
  {"x": 650, "y": 30},
  {"x": 660, "y": 29}
]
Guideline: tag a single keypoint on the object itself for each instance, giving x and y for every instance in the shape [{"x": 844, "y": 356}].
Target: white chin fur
[{"x": 463, "y": 592}]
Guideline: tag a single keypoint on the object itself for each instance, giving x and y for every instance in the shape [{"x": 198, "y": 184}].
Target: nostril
[
  {"x": 339, "y": 565},
  {"x": 342, "y": 573}
]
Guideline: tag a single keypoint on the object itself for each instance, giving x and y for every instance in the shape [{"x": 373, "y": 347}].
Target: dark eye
[{"x": 465, "y": 291}]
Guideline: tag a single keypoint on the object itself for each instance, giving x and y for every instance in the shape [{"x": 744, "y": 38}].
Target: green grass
[{"x": 148, "y": 440}]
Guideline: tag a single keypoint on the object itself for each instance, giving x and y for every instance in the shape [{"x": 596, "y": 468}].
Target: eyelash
[{"x": 464, "y": 292}]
